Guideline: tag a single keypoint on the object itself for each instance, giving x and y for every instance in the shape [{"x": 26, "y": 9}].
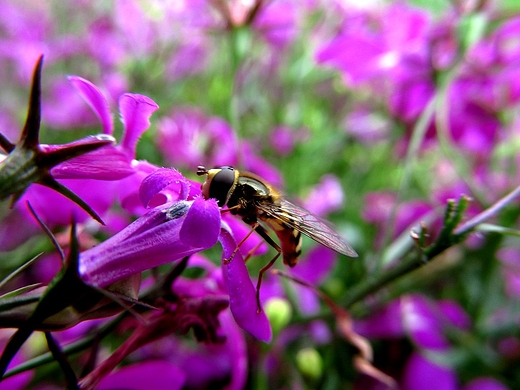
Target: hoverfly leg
[
  {"x": 270, "y": 241},
  {"x": 222, "y": 211},
  {"x": 252, "y": 252},
  {"x": 254, "y": 227}
]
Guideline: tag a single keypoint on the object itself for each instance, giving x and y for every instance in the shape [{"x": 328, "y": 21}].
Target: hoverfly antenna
[{"x": 201, "y": 170}]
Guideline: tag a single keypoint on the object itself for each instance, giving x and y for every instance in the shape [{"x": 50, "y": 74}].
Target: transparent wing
[{"x": 309, "y": 224}]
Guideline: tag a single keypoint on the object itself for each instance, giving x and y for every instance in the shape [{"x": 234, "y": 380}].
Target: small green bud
[
  {"x": 279, "y": 312},
  {"x": 310, "y": 363}
]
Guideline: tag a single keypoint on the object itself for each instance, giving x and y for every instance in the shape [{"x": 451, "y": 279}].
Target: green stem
[
  {"x": 449, "y": 236},
  {"x": 69, "y": 350}
]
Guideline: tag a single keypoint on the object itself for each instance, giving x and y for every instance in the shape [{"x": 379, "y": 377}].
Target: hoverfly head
[{"x": 219, "y": 184}]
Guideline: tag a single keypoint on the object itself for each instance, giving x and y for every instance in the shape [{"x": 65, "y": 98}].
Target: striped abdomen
[{"x": 290, "y": 241}]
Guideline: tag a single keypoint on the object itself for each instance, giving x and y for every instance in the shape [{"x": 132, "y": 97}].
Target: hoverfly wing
[{"x": 309, "y": 224}]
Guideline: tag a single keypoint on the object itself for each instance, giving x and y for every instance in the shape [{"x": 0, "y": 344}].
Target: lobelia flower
[
  {"x": 166, "y": 233},
  {"x": 189, "y": 138},
  {"x": 427, "y": 324}
]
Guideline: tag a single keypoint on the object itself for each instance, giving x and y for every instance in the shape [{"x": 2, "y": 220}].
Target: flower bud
[
  {"x": 279, "y": 312},
  {"x": 310, "y": 363}
]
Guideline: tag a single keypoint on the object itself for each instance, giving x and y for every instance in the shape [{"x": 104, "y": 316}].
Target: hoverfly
[{"x": 259, "y": 205}]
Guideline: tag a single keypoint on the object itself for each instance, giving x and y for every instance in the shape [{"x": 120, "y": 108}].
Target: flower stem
[{"x": 452, "y": 233}]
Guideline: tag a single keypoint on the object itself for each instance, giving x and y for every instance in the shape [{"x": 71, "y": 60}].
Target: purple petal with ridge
[
  {"x": 135, "y": 114},
  {"x": 159, "y": 180},
  {"x": 242, "y": 293},
  {"x": 95, "y": 99},
  {"x": 191, "y": 232},
  {"x": 152, "y": 240},
  {"x": 105, "y": 163}
]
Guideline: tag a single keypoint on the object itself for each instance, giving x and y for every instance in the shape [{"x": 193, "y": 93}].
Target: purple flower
[
  {"x": 385, "y": 323},
  {"x": 242, "y": 294},
  {"x": 399, "y": 65},
  {"x": 283, "y": 139},
  {"x": 422, "y": 373},
  {"x": 367, "y": 126},
  {"x": 167, "y": 233},
  {"x": 326, "y": 197},
  {"x": 205, "y": 364},
  {"x": 189, "y": 138},
  {"x": 392, "y": 62},
  {"x": 425, "y": 322},
  {"x": 277, "y": 23},
  {"x": 371, "y": 40}
]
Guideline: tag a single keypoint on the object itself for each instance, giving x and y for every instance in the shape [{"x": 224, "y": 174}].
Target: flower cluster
[{"x": 396, "y": 122}]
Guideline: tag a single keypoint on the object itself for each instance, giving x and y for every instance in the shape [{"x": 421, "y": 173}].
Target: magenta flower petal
[
  {"x": 144, "y": 376},
  {"x": 152, "y": 240},
  {"x": 316, "y": 265},
  {"x": 421, "y": 320},
  {"x": 107, "y": 163},
  {"x": 455, "y": 314},
  {"x": 308, "y": 301},
  {"x": 237, "y": 352},
  {"x": 135, "y": 114},
  {"x": 240, "y": 230},
  {"x": 242, "y": 293},
  {"x": 136, "y": 25},
  {"x": 326, "y": 197},
  {"x": 191, "y": 233},
  {"x": 313, "y": 268},
  {"x": 16, "y": 229},
  {"x": 159, "y": 180},
  {"x": 420, "y": 373},
  {"x": 57, "y": 210},
  {"x": 386, "y": 323},
  {"x": 95, "y": 99},
  {"x": 129, "y": 189}
]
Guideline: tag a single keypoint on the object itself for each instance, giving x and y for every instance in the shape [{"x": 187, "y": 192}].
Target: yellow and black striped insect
[{"x": 259, "y": 205}]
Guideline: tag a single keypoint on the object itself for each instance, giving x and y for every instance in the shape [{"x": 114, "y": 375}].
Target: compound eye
[{"x": 221, "y": 185}]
